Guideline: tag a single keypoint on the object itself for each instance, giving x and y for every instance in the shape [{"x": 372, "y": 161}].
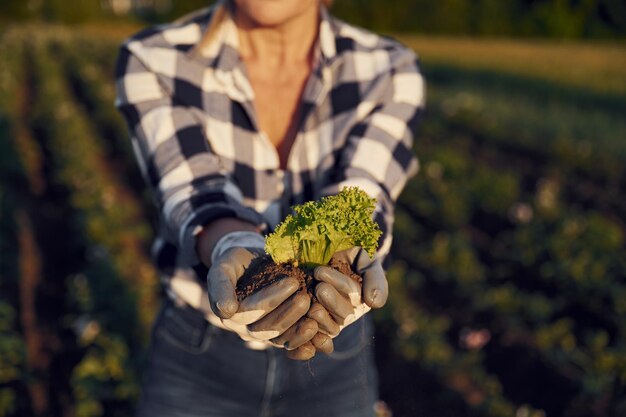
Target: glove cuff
[{"x": 237, "y": 239}]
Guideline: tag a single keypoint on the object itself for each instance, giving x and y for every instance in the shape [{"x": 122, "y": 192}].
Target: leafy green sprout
[{"x": 319, "y": 229}]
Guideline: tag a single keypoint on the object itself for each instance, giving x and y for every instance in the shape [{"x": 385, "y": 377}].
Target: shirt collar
[
  {"x": 326, "y": 36},
  {"x": 219, "y": 42},
  {"x": 220, "y": 52}
]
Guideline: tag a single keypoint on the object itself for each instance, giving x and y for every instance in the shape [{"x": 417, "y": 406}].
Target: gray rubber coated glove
[
  {"x": 342, "y": 300},
  {"x": 264, "y": 315}
]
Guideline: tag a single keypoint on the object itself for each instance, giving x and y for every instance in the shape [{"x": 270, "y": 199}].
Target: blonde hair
[
  {"x": 221, "y": 10},
  {"x": 219, "y": 14}
]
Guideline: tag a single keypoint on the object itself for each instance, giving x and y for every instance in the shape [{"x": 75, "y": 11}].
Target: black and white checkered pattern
[{"x": 196, "y": 135}]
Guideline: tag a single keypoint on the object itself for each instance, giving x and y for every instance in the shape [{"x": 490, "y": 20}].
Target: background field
[{"x": 508, "y": 288}]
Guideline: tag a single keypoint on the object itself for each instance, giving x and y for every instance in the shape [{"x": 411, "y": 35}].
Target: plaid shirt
[{"x": 196, "y": 135}]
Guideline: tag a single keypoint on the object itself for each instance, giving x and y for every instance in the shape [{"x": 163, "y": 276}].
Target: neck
[{"x": 286, "y": 43}]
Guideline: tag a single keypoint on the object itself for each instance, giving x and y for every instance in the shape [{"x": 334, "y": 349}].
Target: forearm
[
  {"x": 211, "y": 233},
  {"x": 191, "y": 186}
]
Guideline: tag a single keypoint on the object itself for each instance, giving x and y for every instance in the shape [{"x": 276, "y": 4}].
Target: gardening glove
[
  {"x": 303, "y": 340},
  {"x": 264, "y": 315},
  {"x": 341, "y": 300},
  {"x": 320, "y": 343}
]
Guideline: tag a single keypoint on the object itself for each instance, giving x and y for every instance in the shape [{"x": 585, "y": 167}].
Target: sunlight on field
[
  {"x": 590, "y": 65},
  {"x": 506, "y": 281},
  {"x": 599, "y": 66},
  {"x": 111, "y": 30}
]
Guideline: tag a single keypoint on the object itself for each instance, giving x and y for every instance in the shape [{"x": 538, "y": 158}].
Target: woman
[{"x": 237, "y": 113}]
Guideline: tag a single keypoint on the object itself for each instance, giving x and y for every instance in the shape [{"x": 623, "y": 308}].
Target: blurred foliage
[
  {"x": 507, "y": 273},
  {"x": 510, "y": 250},
  {"x": 52, "y": 11},
  {"x": 548, "y": 18},
  {"x": 551, "y": 18},
  {"x": 99, "y": 295},
  {"x": 12, "y": 346}
]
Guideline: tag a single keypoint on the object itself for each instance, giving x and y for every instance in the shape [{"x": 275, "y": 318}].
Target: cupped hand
[
  {"x": 274, "y": 312},
  {"x": 341, "y": 300},
  {"x": 304, "y": 340}
]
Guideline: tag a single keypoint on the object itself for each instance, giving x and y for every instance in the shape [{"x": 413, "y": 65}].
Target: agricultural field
[{"x": 507, "y": 276}]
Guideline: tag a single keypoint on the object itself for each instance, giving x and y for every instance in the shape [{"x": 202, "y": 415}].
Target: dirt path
[{"x": 37, "y": 359}]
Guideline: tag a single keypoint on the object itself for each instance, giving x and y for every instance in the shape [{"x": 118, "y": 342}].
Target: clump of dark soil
[
  {"x": 345, "y": 269},
  {"x": 263, "y": 272}
]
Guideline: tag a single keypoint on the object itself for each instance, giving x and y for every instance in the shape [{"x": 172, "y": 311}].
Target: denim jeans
[{"x": 195, "y": 369}]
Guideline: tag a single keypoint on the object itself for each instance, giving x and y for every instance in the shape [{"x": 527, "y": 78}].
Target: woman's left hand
[{"x": 341, "y": 299}]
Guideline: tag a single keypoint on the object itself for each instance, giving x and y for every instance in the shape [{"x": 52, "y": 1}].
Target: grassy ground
[{"x": 592, "y": 66}]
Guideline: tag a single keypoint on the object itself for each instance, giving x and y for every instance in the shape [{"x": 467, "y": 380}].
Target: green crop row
[
  {"x": 490, "y": 247},
  {"x": 112, "y": 216},
  {"x": 573, "y": 128},
  {"x": 12, "y": 345},
  {"x": 113, "y": 293},
  {"x": 506, "y": 275},
  {"x": 93, "y": 86}
]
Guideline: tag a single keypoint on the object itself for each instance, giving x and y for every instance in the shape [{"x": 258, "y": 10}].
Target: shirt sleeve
[
  {"x": 378, "y": 155},
  {"x": 187, "y": 179}
]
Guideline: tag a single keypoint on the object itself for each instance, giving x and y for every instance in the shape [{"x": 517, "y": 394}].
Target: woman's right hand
[{"x": 275, "y": 314}]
